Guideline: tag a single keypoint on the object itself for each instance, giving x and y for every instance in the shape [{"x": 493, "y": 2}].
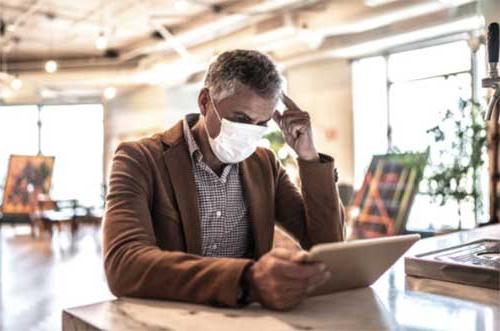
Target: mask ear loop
[
  {"x": 213, "y": 105},
  {"x": 216, "y": 113}
]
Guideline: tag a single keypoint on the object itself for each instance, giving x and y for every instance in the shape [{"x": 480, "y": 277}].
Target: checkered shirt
[{"x": 222, "y": 208}]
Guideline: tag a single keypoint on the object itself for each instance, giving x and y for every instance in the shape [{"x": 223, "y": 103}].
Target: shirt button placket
[{"x": 224, "y": 203}]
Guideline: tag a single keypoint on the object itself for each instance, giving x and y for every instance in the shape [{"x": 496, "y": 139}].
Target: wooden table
[{"x": 395, "y": 301}]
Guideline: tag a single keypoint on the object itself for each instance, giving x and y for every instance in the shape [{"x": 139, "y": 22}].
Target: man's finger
[
  {"x": 296, "y": 129},
  {"x": 296, "y": 256},
  {"x": 281, "y": 253},
  {"x": 301, "y": 114},
  {"x": 287, "y": 116},
  {"x": 319, "y": 278},
  {"x": 278, "y": 118},
  {"x": 287, "y": 119},
  {"x": 300, "y": 256},
  {"x": 289, "y": 103},
  {"x": 297, "y": 271},
  {"x": 290, "y": 255},
  {"x": 317, "y": 283},
  {"x": 290, "y": 123}
]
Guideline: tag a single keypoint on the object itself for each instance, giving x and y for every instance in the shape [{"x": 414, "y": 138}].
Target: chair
[{"x": 47, "y": 214}]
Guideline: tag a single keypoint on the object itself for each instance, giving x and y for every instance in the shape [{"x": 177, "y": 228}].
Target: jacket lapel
[
  {"x": 255, "y": 183},
  {"x": 259, "y": 203},
  {"x": 180, "y": 170}
]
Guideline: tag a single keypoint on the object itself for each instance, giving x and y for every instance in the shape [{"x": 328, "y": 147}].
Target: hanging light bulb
[
  {"x": 109, "y": 92},
  {"x": 51, "y": 66},
  {"x": 16, "y": 83},
  {"x": 11, "y": 27},
  {"x": 101, "y": 43}
]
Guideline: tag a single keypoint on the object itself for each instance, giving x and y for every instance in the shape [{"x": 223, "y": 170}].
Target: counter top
[{"x": 394, "y": 302}]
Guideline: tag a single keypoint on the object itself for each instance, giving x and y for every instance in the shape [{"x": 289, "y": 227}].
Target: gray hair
[{"x": 252, "y": 69}]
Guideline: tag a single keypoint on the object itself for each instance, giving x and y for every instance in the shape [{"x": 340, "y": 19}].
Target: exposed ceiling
[
  {"x": 41, "y": 29},
  {"x": 68, "y": 29},
  {"x": 167, "y": 41}
]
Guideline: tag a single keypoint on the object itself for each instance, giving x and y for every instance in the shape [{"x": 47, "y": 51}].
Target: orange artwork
[
  {"x": 386, "y": 196},
  {"x": 27, "y": 177}
]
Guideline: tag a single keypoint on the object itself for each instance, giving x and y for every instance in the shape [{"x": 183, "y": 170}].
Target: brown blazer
[{"x": 151, "y": 229}]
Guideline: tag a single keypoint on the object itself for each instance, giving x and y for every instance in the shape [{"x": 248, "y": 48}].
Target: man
[{"x": 190, "y": 213}]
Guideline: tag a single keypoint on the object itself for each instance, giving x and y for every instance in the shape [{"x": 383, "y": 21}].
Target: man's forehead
[
  {"x": 254, "y": 110},
  {"x": 250, "y": 104}
]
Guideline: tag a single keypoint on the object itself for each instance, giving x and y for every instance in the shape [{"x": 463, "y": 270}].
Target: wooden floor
[{"x": 40, "y": 277}]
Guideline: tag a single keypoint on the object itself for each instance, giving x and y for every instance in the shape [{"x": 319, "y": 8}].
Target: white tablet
[{"x": 359, "y": 263}]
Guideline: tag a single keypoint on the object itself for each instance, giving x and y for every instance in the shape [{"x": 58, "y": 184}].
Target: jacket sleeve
[
  {"x": 315, "y": 213},
  {"x": 134, "y": 264}
]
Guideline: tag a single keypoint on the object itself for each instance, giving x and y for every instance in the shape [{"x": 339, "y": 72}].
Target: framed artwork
[
  {"x": 27, "y": 176},
  {"x": 386, "y": 195}
]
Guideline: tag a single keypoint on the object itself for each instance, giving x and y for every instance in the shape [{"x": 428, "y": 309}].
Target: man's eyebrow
[
  {"x": 244, "y": 114},
  {"x": 249, "y": 118}
]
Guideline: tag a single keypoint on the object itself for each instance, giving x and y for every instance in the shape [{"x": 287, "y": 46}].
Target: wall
[
  {"x": 323, "y": 89},
  {"x": 143, "y": 112},
  {"x": 490, "y": 9}
]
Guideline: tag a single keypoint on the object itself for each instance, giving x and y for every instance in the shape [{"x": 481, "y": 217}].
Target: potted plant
[{"x": 457, "y": 156}]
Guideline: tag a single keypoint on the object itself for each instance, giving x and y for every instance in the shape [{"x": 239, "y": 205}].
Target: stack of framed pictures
[
  {"x": 386, "y": 196},
  {"x": 27, "y": 178}
]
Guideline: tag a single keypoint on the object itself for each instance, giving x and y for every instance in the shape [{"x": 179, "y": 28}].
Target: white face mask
[{"x": 236, "y": 141}]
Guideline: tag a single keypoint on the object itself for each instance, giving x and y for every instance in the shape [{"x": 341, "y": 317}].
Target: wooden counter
[{"x": 395, "y": 301}]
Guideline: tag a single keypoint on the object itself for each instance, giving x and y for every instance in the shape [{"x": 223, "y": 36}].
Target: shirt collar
[{"x": 193, "y": 148}]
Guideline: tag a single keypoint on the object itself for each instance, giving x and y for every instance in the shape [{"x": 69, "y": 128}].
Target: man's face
[{"x": 245, "y": 106}]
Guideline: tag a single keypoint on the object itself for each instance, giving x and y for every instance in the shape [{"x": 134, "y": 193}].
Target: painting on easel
[
  {"x": 385, "y": 198},
  {"x": 27, "y": 177}
]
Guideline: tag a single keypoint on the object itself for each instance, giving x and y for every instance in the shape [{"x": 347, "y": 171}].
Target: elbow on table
[
  {"x": 119, "y": 279},
  {"x": 116, "y": 283}
]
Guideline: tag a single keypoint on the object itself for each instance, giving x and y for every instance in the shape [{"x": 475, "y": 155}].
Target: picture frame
[{"x": 27, "y": 177}]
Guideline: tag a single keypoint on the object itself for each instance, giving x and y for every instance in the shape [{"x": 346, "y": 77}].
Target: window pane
[
  {"x": 482, "y": 72},
  {"x": 74, "y": 135},
  {"x": 18, "y": 135},
  {"x": 369, "y": 113},
  {"x": 429, "y": 61},
  {"x": 419, "y": 105},
  {"x": 416, "y": 107},
  {"x": 482, "y": 95}
]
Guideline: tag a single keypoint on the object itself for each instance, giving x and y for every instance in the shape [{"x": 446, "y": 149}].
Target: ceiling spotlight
[
  {"x": 101, "y": 43},
  {"x": 16, "y": 83},
  {"x": 109, "y": 92},
  {"x": 11, "y": 27},
  {"x": 181, "y": 5},
  {"x": 51, "y": 66}
]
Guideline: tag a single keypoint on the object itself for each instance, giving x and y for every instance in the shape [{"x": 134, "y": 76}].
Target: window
[
  {"x": 406, "y": 94},
  {"x": 18, "y": 135},
  {"x": 416, "y": 106},
  {"x": 74, "y": 135},
  {"x": 71, "y": 133}
]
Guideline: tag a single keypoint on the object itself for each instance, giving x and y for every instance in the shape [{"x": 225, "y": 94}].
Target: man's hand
[
  {"x": 296, "y": 127},
  {"x": 281, "y": 279}
]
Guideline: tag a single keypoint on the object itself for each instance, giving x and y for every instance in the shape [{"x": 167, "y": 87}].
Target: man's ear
[{"x": 203, "y": 100}]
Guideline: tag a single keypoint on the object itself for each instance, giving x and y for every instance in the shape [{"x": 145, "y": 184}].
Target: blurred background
[{"x": 393, "y": 88}]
